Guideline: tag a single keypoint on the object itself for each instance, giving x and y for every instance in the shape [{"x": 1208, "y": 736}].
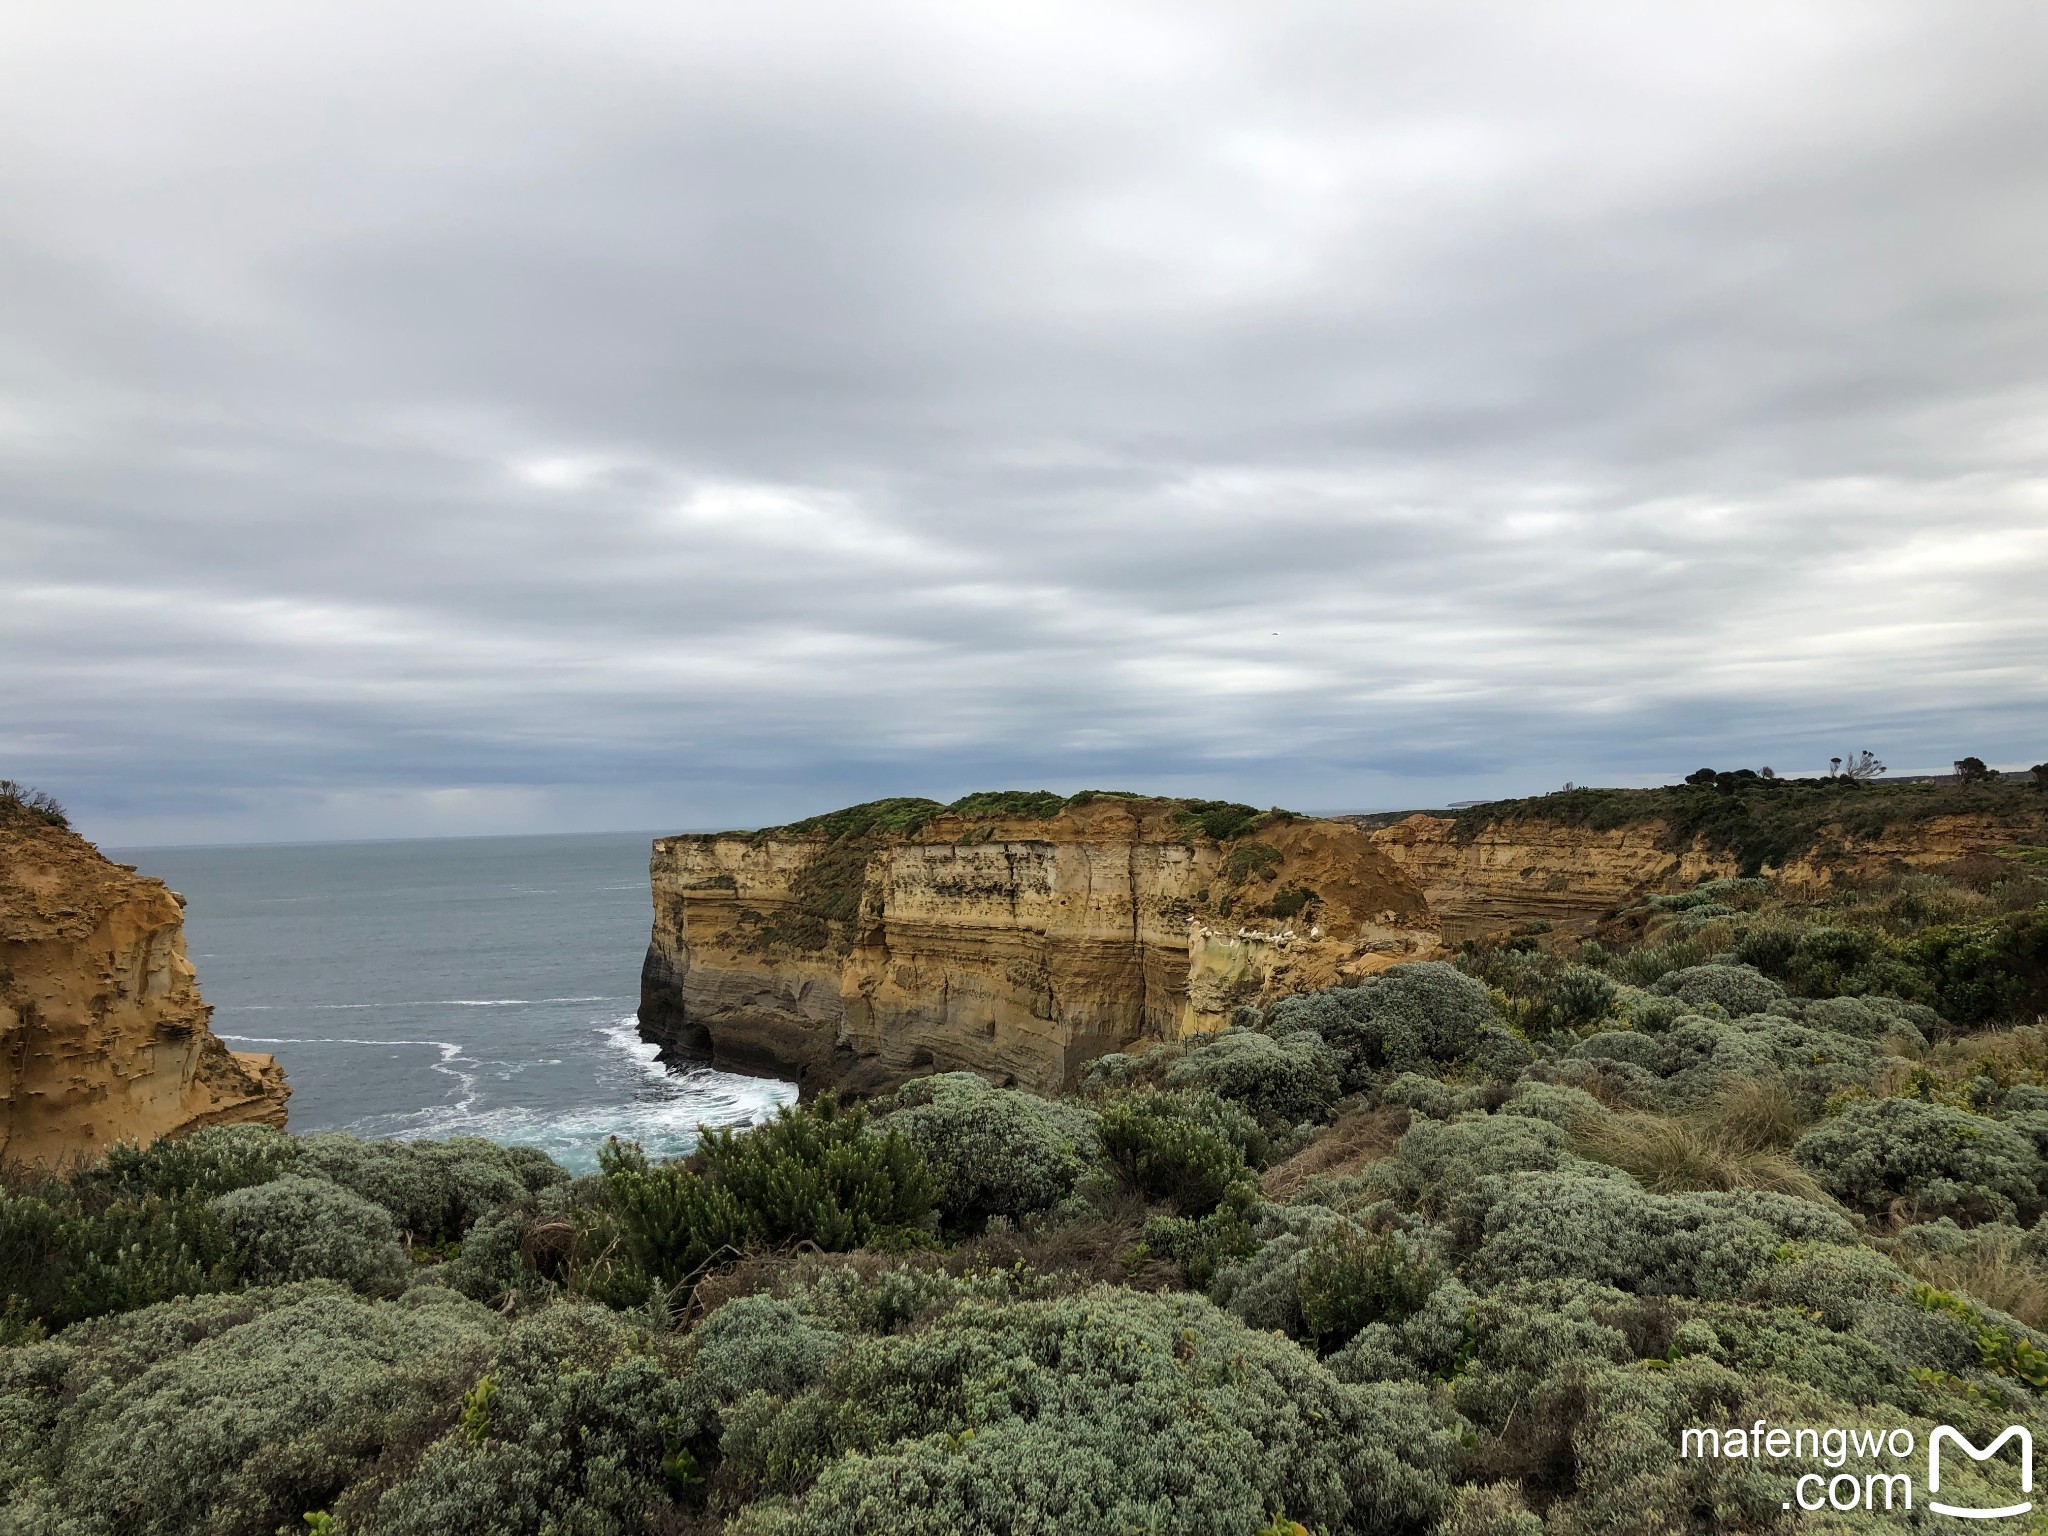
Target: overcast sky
[{"x": 447, "y": 417}]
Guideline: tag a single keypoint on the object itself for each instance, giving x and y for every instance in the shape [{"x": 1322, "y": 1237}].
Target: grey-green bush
[
  {"x": 1408, "y": 1019},
  {"x": 435, "y": 1190},
  {"x": 296, "y": 1228},
  {"x": 1734, "y": 989},
  {"x": 1280, "y": 1081},
  {"x": 1185, "y": 1147},
  {"x": 227, "y": 1414},
  {"x": 994, "y": 1151},
  {"x": 1107, "y": 1411},
  {"x": 211, "y": 1161},
  {"x": 1943, "y": 1161}
]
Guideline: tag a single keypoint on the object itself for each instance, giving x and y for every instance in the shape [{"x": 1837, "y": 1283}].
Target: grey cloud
[{"x": 440, "y": 417}]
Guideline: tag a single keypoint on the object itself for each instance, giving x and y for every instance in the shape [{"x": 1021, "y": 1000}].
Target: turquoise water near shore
[{"x": 448, "y": 986}]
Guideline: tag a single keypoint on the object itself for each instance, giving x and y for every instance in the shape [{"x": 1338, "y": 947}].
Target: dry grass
[
  {"x": 1359, "y": 1138},
  {"x": 1672, "y": 1156},
  {"x": 1754, "y": 1115},
  {"x": 1995, "y": 1274}
]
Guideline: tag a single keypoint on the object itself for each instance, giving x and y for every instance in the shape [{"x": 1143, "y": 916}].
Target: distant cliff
[
  {"x": 1571, "y": 857},
  {"x": 1018, "y": 936},
  {"x": 103, "y": 1034}
]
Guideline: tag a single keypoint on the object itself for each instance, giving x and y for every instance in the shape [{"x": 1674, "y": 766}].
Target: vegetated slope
[
  {"x": 103, "y": 1034},
  {"x": 1460, "y": 1248},
  {"x": 1019, "y": 934},
  {"x": 1570, "y": 857}
]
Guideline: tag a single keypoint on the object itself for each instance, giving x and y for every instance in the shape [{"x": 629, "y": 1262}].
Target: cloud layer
[{"x": 465, "y": 418}]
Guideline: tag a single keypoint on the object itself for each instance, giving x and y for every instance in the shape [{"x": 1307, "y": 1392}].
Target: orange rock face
[
  {"x": 1481, "y": 881},
  {"x": 1020, "y": 948},
  {"x": 103, "y": 1033}
]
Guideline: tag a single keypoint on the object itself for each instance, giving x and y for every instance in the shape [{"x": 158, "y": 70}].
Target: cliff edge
[
  {"x": 103, "y": 1034},
  {"x": 1569, "y": 859},
  {"x": 1014, "y": 935},
  {"x": 1019, "y": 935}
]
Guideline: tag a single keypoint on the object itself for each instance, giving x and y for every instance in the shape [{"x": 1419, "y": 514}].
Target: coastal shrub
[
  {"x": 1734, "y": 989},
  {"x": 1988, "y": 970},
  {"x": 1040, "y": 804},
  {"x": 1560, "y": 1104},
  {"x": 667, "y": 1226},
  {"x": 1697, "y": 1057},
  {"x": 1428, "y": 1097},
  {"x": 1352, "y": 1279},
  {"x": 1110, "y": 1410},
  {"x": 820, "y": 1175},
  {"x": 60, "y": 1263},
  {"x": 1581, "y": 996},
  {"x": 435, "y": 1190},
  {"x": 1436, "y": 1163},
  {"x": 1279, "y": 1081},
  {"x": 1409, "y": 1019},
  {"x": 210, "y": 1161},
  {"x": 230, "y": 1414},
  {"x": 1873, "y": 1018},
  {"x": 20, "y": 802},
  {"x": 1566, "y": 1225},
  {"x": 1222, "y": 821},
  {"x": 296, "y": 1228},
  {"x": 1262, "y": 1284},
  {"x": 993, "y": 1151},
  {"x": 1489, "y": 1509},
  {"x": 492, "y": 1265},
  {"x": 1185, "y": 1147},
  {"x": 1201, "y": 1245},
  {"x": 570, "y": 1427},
  {"x": 1939, "y": 1160}
]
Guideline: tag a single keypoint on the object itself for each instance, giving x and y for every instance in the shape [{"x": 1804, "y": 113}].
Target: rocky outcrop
[
  {"x": 103, "y": 1034},
  {"x": 843, "y": 954},
  {"x": 1017, "y": 946},
  {"x": 1480, "y": 877}
]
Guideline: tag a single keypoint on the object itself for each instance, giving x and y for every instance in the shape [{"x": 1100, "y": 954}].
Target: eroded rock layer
[
  {"x": 1019, "y": 947},
  {"x": 1482, "y": 878},
  {"x": 103, "y": 1034}
]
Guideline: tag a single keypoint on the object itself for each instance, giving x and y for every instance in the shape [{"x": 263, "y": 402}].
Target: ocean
[{"x": 479, "y": 986}]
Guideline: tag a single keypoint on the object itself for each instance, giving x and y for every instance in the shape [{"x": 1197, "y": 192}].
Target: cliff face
[
  {"x": 103, "y": 1035},
  {"x": 1482, "y": 879},
  {"x": 1020, "y": 947}
]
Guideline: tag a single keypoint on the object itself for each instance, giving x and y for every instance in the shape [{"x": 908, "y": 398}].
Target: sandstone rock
[
  {"x": 103, "y": 1034},
  {"x": 1018, "y": 947},
  {"x": 1484, "y": 879},
  {"x": 1021, "y": 948}
]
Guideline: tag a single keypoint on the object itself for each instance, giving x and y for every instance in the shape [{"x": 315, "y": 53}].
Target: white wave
[
  {"x": 453, "y": 1057},
  {"x": 660, "y": 1108}
]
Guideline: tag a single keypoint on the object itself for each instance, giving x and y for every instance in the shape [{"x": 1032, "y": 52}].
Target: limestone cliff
[
  {"x": 1021, "y": 935},
  {"x": 103, "y": 1034},
  {"x": 1016, "y": 945},
  {"x": 1482, "y": 873}
]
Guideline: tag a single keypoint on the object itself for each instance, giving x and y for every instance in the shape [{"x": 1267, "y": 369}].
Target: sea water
[{"x": 449, "y": 986}]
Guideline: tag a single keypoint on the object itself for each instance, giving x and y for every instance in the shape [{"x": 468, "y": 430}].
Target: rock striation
[
  {"x": 1482, "y": 876},
  {"x": 1019, "y": 946},
  {"x": 103, "y": 1034},
  {"x": 1022, "y": 940}
]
